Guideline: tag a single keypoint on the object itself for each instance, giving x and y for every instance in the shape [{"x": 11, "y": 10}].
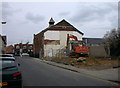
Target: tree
[{"x": 112, "y": 40}]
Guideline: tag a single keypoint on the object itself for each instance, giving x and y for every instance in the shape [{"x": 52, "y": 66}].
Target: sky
[{"x": 24, "y": 19}]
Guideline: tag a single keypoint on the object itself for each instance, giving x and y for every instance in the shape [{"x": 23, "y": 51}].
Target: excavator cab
[
  {"x": 72, "y": 45},
  {"x": 75, "y": 48}
]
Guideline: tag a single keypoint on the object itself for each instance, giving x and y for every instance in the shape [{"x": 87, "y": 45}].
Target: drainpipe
[{"x": 85, "y": 42}]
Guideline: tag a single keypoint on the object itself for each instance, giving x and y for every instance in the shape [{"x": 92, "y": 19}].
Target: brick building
[
  {"x": 54, "y": 37},
  {"x": 23, "y": 48},
  {"x": 10, "y": 49}
]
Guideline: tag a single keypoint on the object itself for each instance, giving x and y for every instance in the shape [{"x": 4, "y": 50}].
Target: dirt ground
[
  {"x": 87, "y": 62},
  {"x": 97, "y": 64}
]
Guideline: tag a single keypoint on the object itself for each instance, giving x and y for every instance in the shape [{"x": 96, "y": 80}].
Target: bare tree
[{"x": 112, "y": 40}]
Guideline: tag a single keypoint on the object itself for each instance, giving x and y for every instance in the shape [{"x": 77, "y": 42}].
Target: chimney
[{"x": 51, "y": 22}]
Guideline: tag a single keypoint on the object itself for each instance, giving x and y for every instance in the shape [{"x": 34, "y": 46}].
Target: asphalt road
[{"x": 36, "y": 73}]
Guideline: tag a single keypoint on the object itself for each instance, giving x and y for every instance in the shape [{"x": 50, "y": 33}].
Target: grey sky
[
  {"x": 27, "y": 18},
  {"x": 119, "y": 14}
]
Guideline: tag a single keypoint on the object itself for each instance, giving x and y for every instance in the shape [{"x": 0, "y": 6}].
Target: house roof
[
  {"x": 62, "y": 26},
  {"x": 22, "y": 44},
  {"x": 10, "y": 46},
  {"x": 94, "y": 40}
]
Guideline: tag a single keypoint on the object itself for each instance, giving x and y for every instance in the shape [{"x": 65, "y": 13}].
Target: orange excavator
[{"x": 76, "y": 48}]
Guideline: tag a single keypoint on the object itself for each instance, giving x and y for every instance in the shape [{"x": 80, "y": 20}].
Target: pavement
[{"x": 107, "y": 74}]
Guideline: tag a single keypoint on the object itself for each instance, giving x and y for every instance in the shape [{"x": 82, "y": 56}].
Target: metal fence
[{"x": 56, "y": 55}]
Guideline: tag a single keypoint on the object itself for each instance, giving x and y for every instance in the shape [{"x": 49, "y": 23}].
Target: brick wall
[
  {"x": 38, "y": 44},
  {"x": 24, "y": 47},
  {"x": 9, "y": 49}
]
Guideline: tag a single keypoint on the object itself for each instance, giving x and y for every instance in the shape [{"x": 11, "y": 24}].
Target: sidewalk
[{"x": 109, "y": 74}]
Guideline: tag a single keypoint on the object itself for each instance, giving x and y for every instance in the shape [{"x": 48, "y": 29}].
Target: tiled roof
[{"x": 62, "y": 26}]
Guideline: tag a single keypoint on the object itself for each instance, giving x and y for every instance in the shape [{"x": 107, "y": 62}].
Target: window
[
  {"x": 30, "y": 47},
  {"x": 24, "y": 47},
  {"x": 17, "y": 47}
]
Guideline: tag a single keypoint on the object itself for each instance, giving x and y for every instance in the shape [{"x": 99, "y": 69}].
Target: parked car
[
  {"x": 25, "y": 54},
  {"x": 10, "y": 55},
  {"x": 7, "y": 55},
  {"x": 11, "y": 76}
]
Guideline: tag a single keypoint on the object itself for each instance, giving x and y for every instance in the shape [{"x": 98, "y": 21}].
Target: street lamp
[{"x": 3, "y": 22}]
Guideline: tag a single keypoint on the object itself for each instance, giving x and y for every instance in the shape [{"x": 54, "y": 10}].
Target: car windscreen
[{"x": 7, "y": 64}]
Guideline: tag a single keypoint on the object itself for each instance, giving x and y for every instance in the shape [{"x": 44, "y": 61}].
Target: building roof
[
  {"x": 22, "y": 44},
  {"x": 94, "y": 40},
  {"x": 62, "y": 26},
  {"x": 10, "y": 46}
]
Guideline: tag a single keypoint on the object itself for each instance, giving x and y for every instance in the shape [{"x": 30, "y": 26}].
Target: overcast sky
[{"x": 24, "y": 19}]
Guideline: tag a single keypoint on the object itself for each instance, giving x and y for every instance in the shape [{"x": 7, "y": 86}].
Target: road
[{"x": 36, "y": 73}]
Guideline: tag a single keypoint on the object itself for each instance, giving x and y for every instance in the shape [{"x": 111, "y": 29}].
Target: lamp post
[
  {"x": 3, "y": 47},
  {"x": 3, "y": 22}
]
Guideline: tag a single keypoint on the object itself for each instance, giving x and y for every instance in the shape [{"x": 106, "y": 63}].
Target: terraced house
[{"x": 23, "y": 48}]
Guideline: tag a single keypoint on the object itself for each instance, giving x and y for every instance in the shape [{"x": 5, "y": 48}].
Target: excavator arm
[
  {"x": 78, "y": 49},
  {"x": 71, "y": 36}
]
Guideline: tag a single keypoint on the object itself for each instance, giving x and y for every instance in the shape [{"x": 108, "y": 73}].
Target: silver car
[{"x": 7, "y": 55}]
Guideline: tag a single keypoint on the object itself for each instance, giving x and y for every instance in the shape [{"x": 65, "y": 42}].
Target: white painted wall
[
  {"x": 58, "y": 35},
  {"x": 47, "y": 47},
  {"x": 63, "y": 37},
  {"x": 52, "y": 35},
  {"x": 50, "y": 50}
]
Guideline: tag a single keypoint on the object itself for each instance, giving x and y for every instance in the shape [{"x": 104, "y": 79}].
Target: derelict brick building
[{"x": 54, "y": 37}]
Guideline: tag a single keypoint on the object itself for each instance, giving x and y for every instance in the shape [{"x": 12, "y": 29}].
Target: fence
[
  {"x": 62, "y": 55},
  {"x": 56, "y": 55}
]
